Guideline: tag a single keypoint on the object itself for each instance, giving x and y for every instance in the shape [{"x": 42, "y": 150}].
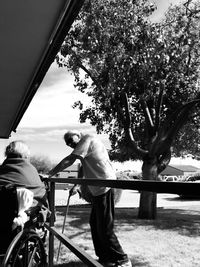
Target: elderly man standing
[{"x": 96, "y": 165}]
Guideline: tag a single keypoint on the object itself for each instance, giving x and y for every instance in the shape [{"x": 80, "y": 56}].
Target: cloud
[
  {"x": 50, "y": 134},
  {"x": 54, "y": 75},
  {"x": 52, "y": 106}
]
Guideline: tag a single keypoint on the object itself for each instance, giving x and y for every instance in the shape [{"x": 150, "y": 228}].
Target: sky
[{"x": 50, "y": 114}]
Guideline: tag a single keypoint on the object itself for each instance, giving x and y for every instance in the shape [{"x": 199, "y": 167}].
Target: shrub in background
[{"x": 42, "y": 164}]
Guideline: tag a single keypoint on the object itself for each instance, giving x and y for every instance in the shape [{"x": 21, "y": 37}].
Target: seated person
[{"x": 16, "y": 169}]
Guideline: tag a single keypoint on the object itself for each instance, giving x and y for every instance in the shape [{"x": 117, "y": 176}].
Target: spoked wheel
[{"x": 26, "y": 250}]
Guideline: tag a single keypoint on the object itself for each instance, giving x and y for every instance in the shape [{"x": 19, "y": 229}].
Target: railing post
[{"x": 51, "y": 224}]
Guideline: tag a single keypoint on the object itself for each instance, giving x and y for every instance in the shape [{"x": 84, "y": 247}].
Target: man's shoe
[
  {"x": 125, "y": 264},
  {"x": 117, "y": 264},
  {"x": 108, "y": 264}
]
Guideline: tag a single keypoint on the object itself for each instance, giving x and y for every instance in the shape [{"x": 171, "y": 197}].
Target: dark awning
[{"x": 31, "y": 33}]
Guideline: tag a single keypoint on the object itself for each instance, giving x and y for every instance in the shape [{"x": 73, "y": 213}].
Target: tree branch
[
  {"x": 159, "y": 105},
  {"x": 81, "y": 66},
  {"x": 182, "y": 118},
  {"x": 128, "y": 130},
  {"x": 164, "y": 160},
  {"x": 166, "y": 135},
  {"x": 147, "y": 114}
]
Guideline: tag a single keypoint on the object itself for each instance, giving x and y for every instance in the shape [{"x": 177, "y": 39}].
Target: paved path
[{"x": 129, "y": 198}]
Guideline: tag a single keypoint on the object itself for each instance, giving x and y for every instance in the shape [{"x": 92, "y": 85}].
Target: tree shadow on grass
[{"x": 184, "y": 220}]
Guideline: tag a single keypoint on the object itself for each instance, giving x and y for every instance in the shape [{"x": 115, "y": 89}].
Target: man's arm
[
  {"x": 66, "y": 162},
  {"x": 77, "y": 188}
]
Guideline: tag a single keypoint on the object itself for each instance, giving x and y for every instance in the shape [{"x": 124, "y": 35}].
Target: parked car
[
  {"x": 194, "y": 179},
  {"x": 171, "y": 178}
]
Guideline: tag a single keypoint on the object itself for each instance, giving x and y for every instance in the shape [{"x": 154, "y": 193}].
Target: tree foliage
[{"x": 113, "y": 48}]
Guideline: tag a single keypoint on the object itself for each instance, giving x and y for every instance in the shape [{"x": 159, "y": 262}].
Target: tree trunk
[
  {"x": 148, "y": 200},
  {"x": 147, "y": 208}
]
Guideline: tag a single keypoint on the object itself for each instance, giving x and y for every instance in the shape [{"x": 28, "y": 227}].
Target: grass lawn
[{"x": 173, "y": 240}]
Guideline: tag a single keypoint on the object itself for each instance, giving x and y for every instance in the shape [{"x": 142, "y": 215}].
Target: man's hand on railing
[{"x": 75, "y": 189}]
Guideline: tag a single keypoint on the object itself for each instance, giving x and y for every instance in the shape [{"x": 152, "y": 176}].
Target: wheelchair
[{"x": 21, "y": 247}]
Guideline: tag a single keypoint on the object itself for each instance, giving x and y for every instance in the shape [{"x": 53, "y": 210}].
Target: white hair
[
  {"x": 17, "y": 149},
  {"x": 70, "y": 133}
]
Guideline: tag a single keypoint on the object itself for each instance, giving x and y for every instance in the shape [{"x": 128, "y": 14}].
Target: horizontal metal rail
[
  {"x": 147, "y": 185},
  {"x": 186, "y": 188}
]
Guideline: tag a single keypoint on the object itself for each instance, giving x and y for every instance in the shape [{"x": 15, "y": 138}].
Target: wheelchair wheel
[{"x": 26, "y": 250}]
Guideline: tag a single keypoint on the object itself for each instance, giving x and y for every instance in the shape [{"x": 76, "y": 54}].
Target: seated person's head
[{"x": 17, "y": 149}]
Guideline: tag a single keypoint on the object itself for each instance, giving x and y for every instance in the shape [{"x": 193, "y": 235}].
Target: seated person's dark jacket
[{"x": 22, "y": 173}]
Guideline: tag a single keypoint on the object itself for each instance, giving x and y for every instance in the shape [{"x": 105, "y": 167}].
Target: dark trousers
[{"x": 106, "y": 244}]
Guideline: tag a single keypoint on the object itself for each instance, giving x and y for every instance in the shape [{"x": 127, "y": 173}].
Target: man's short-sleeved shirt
[{"x": 95, "y": 161}]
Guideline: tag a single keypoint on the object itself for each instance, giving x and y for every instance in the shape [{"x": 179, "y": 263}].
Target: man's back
[{"x": 95, "y": 161}]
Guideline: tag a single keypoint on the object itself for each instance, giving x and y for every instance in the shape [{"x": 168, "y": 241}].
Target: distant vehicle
[
  {"x": 171, "y": 179},
  {"x": 194, "y": 179}
]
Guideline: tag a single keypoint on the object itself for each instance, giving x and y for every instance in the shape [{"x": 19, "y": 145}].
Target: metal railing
[{"x": 186, "y": 188}]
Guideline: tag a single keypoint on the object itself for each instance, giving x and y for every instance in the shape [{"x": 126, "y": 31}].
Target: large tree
[{"x": 142, "y": 78}]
